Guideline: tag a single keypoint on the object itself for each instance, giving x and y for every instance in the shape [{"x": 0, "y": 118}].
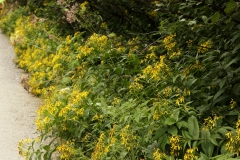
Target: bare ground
[{"x": 17, "y": 107}]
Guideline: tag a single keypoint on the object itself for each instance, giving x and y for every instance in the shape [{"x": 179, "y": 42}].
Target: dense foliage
[{"x": 131, "y": 79}]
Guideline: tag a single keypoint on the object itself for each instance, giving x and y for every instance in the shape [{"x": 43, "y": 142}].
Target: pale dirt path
[{"x": 17, "y": 107}]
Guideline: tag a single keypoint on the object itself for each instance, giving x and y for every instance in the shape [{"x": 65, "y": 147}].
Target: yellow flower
[
  {"x": 204, "y": 47},
  {"x": 99, "y": 148},
  {"x": 210, "y": 122},
  {"x": 233, "y": 104},
  {"x": 83, "y": 6},
  {"x": 66, "y": 150},
  {"x": 157, "y": 155},
  {"x": 169, "y": 42},
  {"x": 189, "y": 155},
  {"x": 175, "y": 146}
]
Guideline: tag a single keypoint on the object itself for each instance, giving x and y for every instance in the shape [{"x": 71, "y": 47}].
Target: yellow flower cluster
[
  {"x": 37, "y": 57},
  {"x": 97, "y": 117},
  {"x": 104, "y": 25},
  {"x": 99, "y": 148},
  {"x": 127, "y": 138},
  {"x": 77, "y": 96},
  {"x": 175, "y": 54},
  {"x": 66, "y": 150},
  {"x": 180, "y": 99},
  {"x": 115, "y": 101},
  {"x": 94, "y": 42},
  {"x": 190, "y": 68},
  {"x": 233, "y": 144},
  {"x": 233, "y": 104},
  {"x": 154, "y": 72},
  {"x": 23, "y": 147},
  {"x": 210, "y": 122},
  {"x": 158, "y": 156},
  {"x": 175, "y": 146},
  {"x": 83, "y": 6},
  {"x": 135, "y": 86},
  {"x": 204, "y": 47},
  {"x": 189, "y": 155},
  {"x": 84, "y": 51},
  {"x": 102, "y": 147},
  {"x": 169, "y": 42},
  {"x": 161, "y": 109}
]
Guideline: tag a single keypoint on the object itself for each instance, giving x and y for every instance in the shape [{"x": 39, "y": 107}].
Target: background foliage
[{"x": 131, "y": 79}]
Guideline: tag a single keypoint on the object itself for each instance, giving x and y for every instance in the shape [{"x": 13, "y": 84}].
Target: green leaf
[
  {"x": 73, "y": 64},
  {"x": 222, "y": 130},
  {"x": 173, "y": 130},
  {"x": 221, "y": 99},
  {"x": 182, "y": 124},
  {"x": 163, "y": 141},
  {"x": 236, "y": 36},
  {"x": 222, "y": 82},
  {"x": 173, "y": 118},
  {"x": 123, "y": 154},
  {"x": 160, "y": 132},
  {"x": 205, "y": 19},
  {"x": 213, "y": 140},
  {"x": 206, "y": 144},
  {"x": 169, "y": 121},
  {"x": 2, "y": 1},
  {"x": 218, "y": 94},
  {"x": 46, "y": 147},
  {"x": 231, "y": 5},
  {"x": 232, "y": 61},
  {"x": 203, "y": 157},
  {"x": 186, "y": 135},
  {"x": 215, "y": 17},
  {"x": 66, "y": 80},
  {"x": 193, "y": 127}
]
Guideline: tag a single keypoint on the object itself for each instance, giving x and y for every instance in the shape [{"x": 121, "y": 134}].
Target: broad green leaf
[
  {"x": 236, "y": 36},
  {"x": 2, "y": 1},
  {"x": 226, "y": 156},
  {"x": 232, "y": 61},
  {"x": 160, "y": 132},
  {"x": 173, "y": 130},
  {"x": 182, "y": 124},
  {"x": 46, "y": 147},
  {"x": 111, "y": 35},
  {"x": 123, "y": 154},
  {"x": 203, "y": 157},
  {"x": 205, "y": 19},
  {"x": 169, "y": 121},
  {"x": 73, "y": 64},
  {"x": 193, "y": 127},
  {"x": 186, "y": 135},
  {"x": 163, "y": 141},
  {"x": 236, "y": 89},
  {"x": 231, "y": 5},
  {"x": 213, "y": 140},
  {"x": 222, "y": 82},
  {"x": 215, "y": 17},
  {"x": 209, "y": 1},
  {"x": 66, "y": 80},
  {"x": 206, "y": 144},
  {"x": 222, "y": 130},
  {"x": 221, "y": 98},
  {"x": 195, "y": 144},
  {"x": 175, "y": 114},
  {"x": 218, "y": 94}
]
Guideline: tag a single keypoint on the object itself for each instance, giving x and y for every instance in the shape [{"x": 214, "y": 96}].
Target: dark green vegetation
[{"x": 133, "y": 79}]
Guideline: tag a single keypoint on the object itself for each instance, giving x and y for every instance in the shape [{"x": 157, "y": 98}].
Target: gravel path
[{"x": 17, "y": 107}]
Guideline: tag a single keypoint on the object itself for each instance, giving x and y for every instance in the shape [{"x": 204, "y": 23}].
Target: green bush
[{"x": 132, "y": 91}]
